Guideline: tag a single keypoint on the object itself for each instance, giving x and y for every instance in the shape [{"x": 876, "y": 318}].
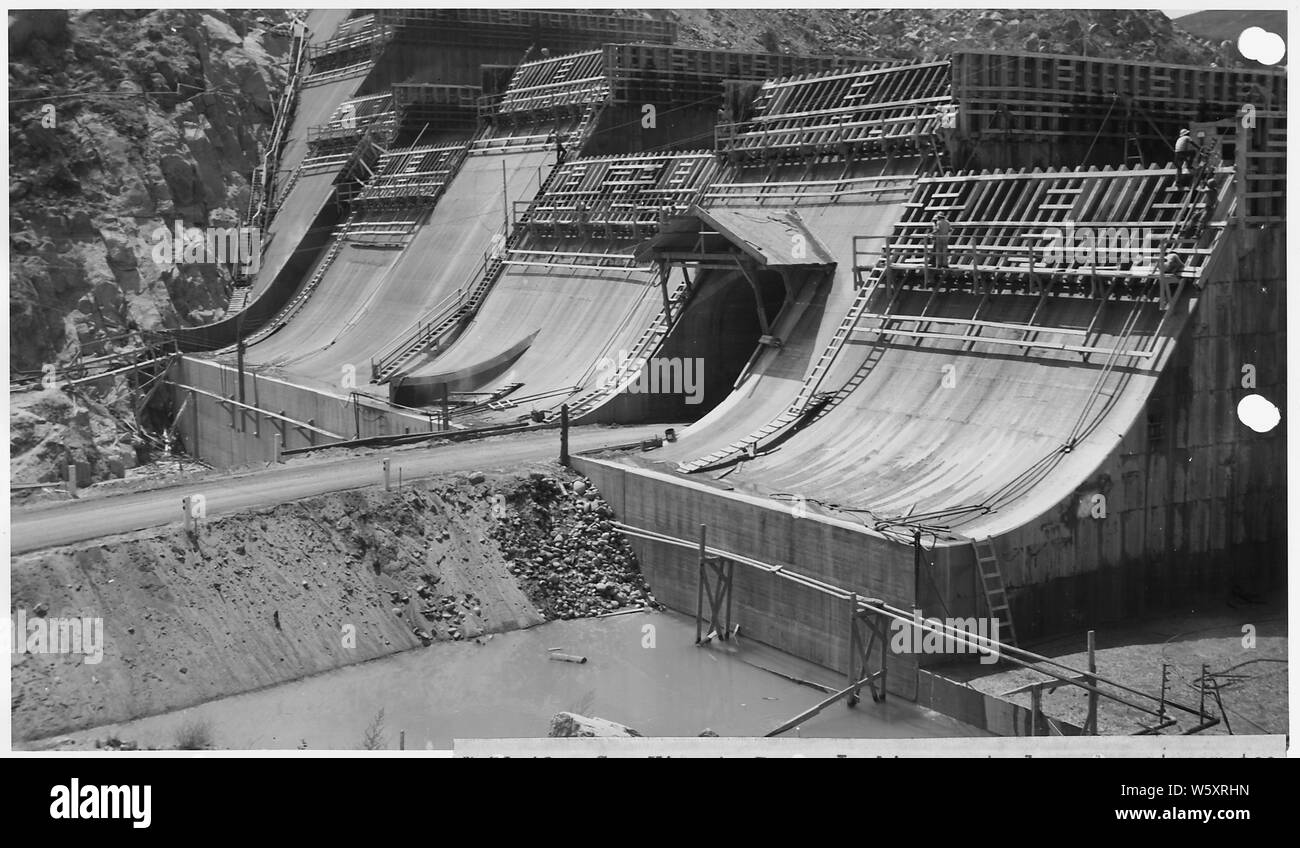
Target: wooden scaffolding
[{"x": 870, "y": 108}]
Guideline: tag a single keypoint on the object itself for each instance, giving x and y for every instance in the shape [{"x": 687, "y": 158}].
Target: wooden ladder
[{"x": 995, "y": 591}]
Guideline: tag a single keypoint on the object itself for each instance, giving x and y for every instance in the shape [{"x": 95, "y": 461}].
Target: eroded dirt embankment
[{"x": 262, "y": 598}]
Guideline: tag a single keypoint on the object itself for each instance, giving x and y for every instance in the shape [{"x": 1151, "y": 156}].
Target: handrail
[{"x": 434, "y": 315}]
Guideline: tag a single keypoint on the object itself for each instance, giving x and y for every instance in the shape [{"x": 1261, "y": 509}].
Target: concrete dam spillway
[{"x": 1004, "y": 419}]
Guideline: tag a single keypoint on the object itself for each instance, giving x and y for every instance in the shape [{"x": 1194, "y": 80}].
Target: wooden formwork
[
  {"x": 560, "y": 29},
  {"x": 874, "y": 106},
  {"x": 414, "y": 176},
  {"x": 356, "y": 39},
  {"x": 1030, "y": 94},
  {"x": 353, "y": 117},
  {"x": 620, "y": 197},
  {"x": 551, "y": 84},
  {"x": 1030, "y": 227},
  {"x": 430, "y": 108},
  {"x": 649, "y": 72}
]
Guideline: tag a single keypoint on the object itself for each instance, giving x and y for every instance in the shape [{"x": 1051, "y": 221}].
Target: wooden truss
[{"x": 715, "y": 585}]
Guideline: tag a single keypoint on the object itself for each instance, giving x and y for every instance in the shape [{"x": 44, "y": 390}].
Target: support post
[
  {"x": 860, "y": 646},
  {"x": 564, "y": 436},
  {"x": 72, "y": 479},
  {"x": 239, "y": 367},
  {"x": 758, "y": 297},
  {"x": 1090, "y": 723},
  {"x": 279, "y": 447},
  {"x": 853, "y": 675},
  {"x": 446, "y": 406},
  {"x": 1241, "y": 165},
  {"x": 716, "y": 575},
  {"x": 916, "y": 569},
  {"x": 387, "y": 474},
  {"x": 194, "y": 407},
  {"x": 699, "y": 588},
  {"x": 663, "y": 288},
  {"x": 188, "y": 514},
  {"x": 505, "y": 200}
]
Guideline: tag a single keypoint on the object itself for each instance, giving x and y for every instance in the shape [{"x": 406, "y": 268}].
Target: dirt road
[{"x": 50, "y": 525}]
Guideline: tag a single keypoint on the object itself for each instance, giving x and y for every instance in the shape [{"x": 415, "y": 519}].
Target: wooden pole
[
  {"x": 731, "y": 576},
  {"x": 505, "y": 201},
  {"x": 1090, "y": 724},
  {"x": 239, "y": 362},
  {"x": 852, "y": 672},
  {"x": 387, "y": 476},
  {"x": 1241, "y": 166},
  {"x": 884, "y": 655},
  {"x": 446, "y": 405},
  {"x": 564, "y": 435},
  {"x": 818, "y": 707},
  {"x": 663, "y": 287},
  {"x": 194, "y": 402},
  {"x": 699, "y": 589}
]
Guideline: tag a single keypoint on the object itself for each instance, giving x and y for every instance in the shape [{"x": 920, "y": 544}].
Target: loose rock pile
[{"x": 567, "y": 555}]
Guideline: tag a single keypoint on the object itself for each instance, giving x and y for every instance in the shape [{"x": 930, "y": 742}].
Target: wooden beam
[
  {"x": 821, "y": 705},
  {"x": 302, "y": 425},
  {"x": 916, "y": 334}
]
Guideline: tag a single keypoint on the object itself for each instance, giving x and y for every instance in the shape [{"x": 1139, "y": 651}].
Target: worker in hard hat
[
  {"x": 1185, "y": 150},
  {"x": 1171, "y": 268},
  {"x": 941, "y": 233}
]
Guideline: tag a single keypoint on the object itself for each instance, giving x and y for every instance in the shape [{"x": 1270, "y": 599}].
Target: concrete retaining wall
[
  {"x": 799, "y": 620},
  {"x": 225, "y": 436}
]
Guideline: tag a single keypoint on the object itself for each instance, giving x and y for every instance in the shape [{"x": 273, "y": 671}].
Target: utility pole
[
  {"x": 916, "y": 567},
  {"x": 239, "y": 366},
  {"x": 564, "y": 435}
]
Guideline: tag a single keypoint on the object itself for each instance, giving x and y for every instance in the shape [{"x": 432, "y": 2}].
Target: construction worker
[
  {"x": 1170, "y": 269},
  {"x": 1185, "y": 150},
  {"x": 941, "y": 233}
]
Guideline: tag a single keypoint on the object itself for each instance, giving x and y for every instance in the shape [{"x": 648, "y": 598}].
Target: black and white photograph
[{"x": 524, "y": 381}]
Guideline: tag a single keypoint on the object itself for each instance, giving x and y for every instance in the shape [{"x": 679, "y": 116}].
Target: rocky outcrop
[
  {"x": 50, "y": 430},
  {"x": 572, "y": 724},
  {"x": 564, "y": 550},
  {"x": 122, "y": 123}
]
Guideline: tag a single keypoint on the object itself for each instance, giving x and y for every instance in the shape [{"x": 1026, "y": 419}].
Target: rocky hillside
[
  {"x": 121, "y": 122},
  {"x": 929, "y": 33}
]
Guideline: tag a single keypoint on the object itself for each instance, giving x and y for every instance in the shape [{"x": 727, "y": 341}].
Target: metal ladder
[{"x": 995, "y": 591}]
